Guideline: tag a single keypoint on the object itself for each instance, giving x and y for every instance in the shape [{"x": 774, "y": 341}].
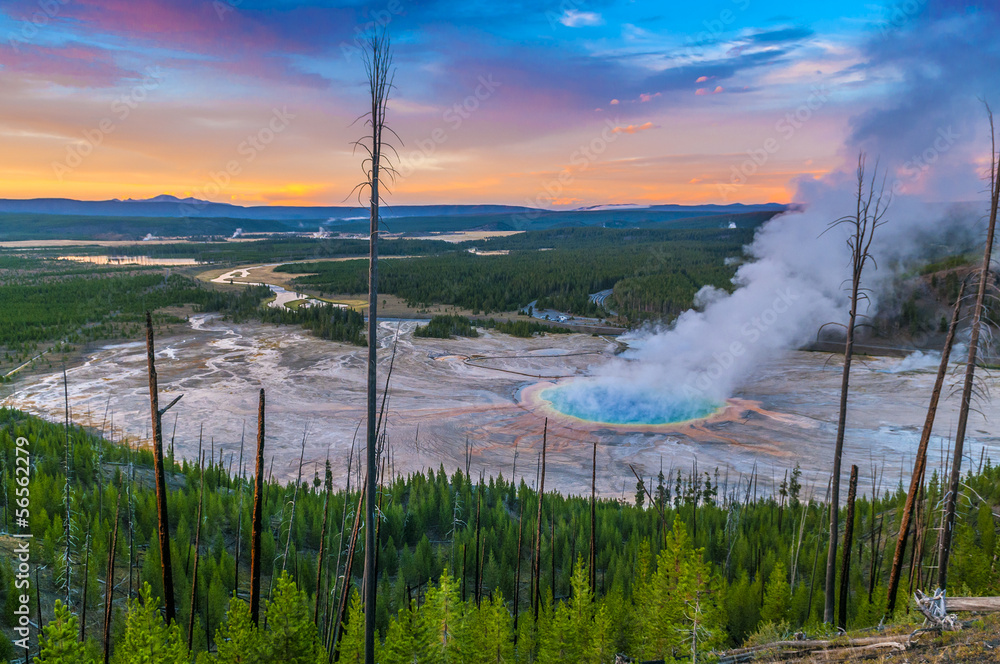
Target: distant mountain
[
  {"x": 171, "y": 206},
  {"x": 172, "y": 217},
  {"x": 167, "y": 198}
]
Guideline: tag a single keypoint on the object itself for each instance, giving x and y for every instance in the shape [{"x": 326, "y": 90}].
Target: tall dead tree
[
  {"x": 162, "y": 520},
  {"x": 377, "y": 57},
  {"x": 920, "y": 463},
  {"x": 258, "y": 509},
  {"x": 67, "y": 504},
  {"x": 872, "y": 203},
  {"x": 537, "y": 559},
  {"x": 197, "y": 546},
  {"x": 479, "y": 507},
  {"x": 109, "y": 584},
  {"x": 295, "y": 498},
  {"x": 239, "y": 517},
  {"x": 951, "y": 497},
  {"x": 328, "y": 484},
  {"x": 593, "y": 523},
  {"x": 517, "y": 574},
  {"x": 845, "y": 566}
]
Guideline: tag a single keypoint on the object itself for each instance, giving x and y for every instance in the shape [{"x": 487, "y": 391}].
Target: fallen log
[
  {"x": 805, "y": 647},
  {"x": 972, "y": 604}
]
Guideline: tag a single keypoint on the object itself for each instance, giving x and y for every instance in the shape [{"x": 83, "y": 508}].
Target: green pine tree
[
  {"x": 238, "y": 640},
  {"x": 60, "y": 640},
  {"x": 777, "y": 596},
  {"x": 291, "y": 634},
  {"x": 399, "y": 640},
  {"x": 440, "y": 622},
  {"x": 147, "y": 639},
  {"x": 352, "y": 640}
]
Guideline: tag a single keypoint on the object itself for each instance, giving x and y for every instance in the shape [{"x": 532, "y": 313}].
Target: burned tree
[
  {"x": 258, "y": 508},
  {"x": 163, "y": 524},
  {"x": 872, "y": 203},
  {"x": 951, "y": 496},
  {"x": 920, "y": 463},
  {"x": 380, "y": 71}
]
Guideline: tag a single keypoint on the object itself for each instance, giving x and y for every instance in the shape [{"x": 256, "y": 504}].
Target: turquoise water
[{"x": 617, "y": 404}]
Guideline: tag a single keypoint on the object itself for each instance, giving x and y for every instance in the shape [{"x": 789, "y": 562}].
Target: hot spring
[{"x": 623, "y": 404}]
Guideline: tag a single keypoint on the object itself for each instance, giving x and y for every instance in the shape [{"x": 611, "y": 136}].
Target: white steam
[{"x": 794, "y": 282}]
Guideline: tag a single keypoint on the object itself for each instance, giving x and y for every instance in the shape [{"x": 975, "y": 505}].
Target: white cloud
[{"x": 577, "y": 19}]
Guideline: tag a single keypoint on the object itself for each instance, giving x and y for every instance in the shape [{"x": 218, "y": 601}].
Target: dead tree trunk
[
  {"x": 322, "y": 542},
  {"x": 67, "y": 527},
  {"x": 109, "y": 590},
  {"x": 537, "y": 561},
  {"x": 378, "y": 66},
  {"x": 869, "y": 215},
  {"x": 295, "y": 499},
  {"x": 83, "y": 596},
  {"x": 197, "y": 545},
  {"x": 845, "y": 567},
  {"x": 517, "y": 574},
  {"x": 951, "y": 497},
  {"x": 479, "y": 507},
  {"x": 348, "y": 564},
  {"x": 162, "y": 520},
  {"x": 920, "y": 463},
  {"x": 258, "y": 508},
  {"x": 593, "y": 523}
]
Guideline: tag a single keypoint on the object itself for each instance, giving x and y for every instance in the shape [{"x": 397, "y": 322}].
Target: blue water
[{"x": 617, "y": 404}]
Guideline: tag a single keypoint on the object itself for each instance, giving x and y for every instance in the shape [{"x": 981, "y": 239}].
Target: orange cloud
[
  {"x": 632, "y": 129},
  {"x": 701, "y": 79},
  {"x": 614, "y": 102},
  {"x": 645, "y": 97}
]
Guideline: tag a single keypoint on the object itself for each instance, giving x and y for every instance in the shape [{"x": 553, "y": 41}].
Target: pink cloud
[
  {"x": 615, "y": 102},
  {"x": 633, "y": 129},
  {"x": 647, "y": 97},
  {"x": 73, "y": 64}
]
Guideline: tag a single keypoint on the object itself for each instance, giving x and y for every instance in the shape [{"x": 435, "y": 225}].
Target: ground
[{"x": 485, "y": 389}]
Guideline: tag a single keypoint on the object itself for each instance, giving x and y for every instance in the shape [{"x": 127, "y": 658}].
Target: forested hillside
[
  {"x": 690, "y": 554},
  {"x": 655, "y": 274}
]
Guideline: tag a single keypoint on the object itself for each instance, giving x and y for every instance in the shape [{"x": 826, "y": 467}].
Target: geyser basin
[{"x": 623, "y": 404}]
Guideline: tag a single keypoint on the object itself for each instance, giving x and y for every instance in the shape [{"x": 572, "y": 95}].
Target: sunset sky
[{"x": 521, "y": 102}]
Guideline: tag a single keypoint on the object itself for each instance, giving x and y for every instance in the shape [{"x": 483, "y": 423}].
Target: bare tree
[
  {"x": 377, "y": 57},
  {"x": 920, "y": 463},
  {"x": 109, "y": 584},
  {"x": 537, "y": 559},
  {"x": 872, "y": 202},
  {"x": 67, "y": 500},
  {"x": 951, "y": 497},
  {"x": 197, "y": 546},
  {"x": 163, "y": 523},
  {"x": 258, "y": 508},
  {"x": 845, "y": 567}
]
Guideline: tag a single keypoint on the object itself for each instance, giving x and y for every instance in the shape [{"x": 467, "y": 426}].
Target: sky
[{"x": 556, "y": 104}]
